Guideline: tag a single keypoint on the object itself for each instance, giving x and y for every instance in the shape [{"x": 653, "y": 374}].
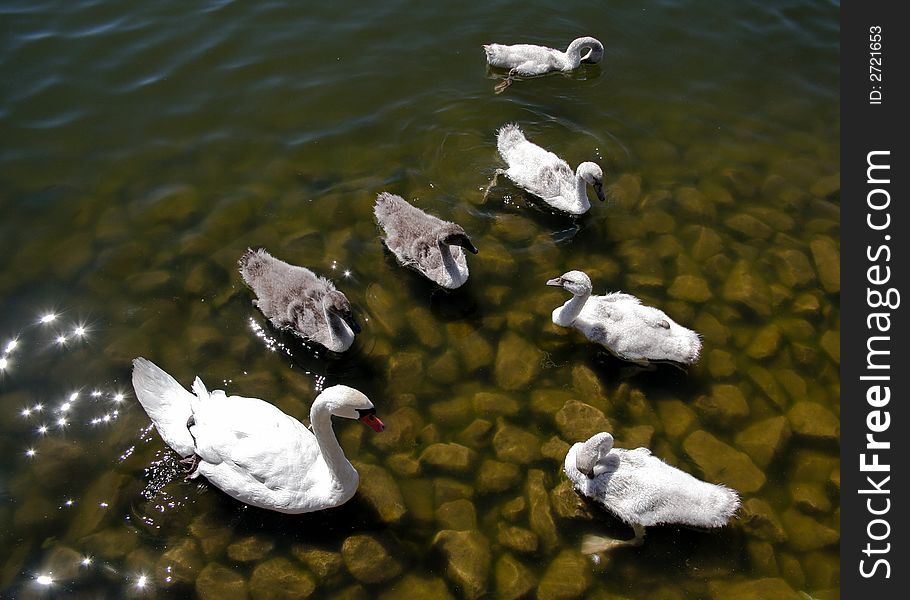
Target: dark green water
[{"x": 145, "y": 148}]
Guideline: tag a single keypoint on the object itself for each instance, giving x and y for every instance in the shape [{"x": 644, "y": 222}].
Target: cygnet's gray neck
[{"x": 448, "y": 261}]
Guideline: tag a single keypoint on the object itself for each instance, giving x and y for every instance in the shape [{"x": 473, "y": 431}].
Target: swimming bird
[
  {"x": 294, "y": 298},
  {"x": 546, "y": 175},
  {"x": 250, "y": 449},
  {"x": 623, "y": 325},
  {"x": 530, "y": 59},
  {"x": 424, "y": 242},
  {"x": 643, "y": 490}
]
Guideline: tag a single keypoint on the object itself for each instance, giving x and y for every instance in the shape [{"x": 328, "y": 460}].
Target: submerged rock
[
  {"x": 690, "y": 288},
  {"x": 757, "y": 589},
  {"x": 415, "y": 587},
  {"x": 555, "y": 449},
  {"x": 250, "y": 549},
  {"x": 517, "y": 362},
  {"x": 577, "y": 421},
  {"x": 760, "y": 520},
  {"x": 810, "y": 497},
  {"x": 540, "y": 516},
  {"x": 495, "y": 404},
  {"x": 476, "y": 435},
  {"x": 63, "y": 562},
  {"x": 722, "y": 464},
  {"x": 827, "y": 263},
  {"x": 568, "y": 576},
  {"x": 217, "y": 582},
  {"x": 180, "y": 563},
  {"x": 468, "y": 559},
  {"x": 513, "y": 444},
  {"x": 567, "y": 504},
  {"x": 405, "y": 371},
  {"x": 805, "y": 533},
  {"x": 726, "y": 405},
  {"x": 744, "y": 286},
  {"x": 380, "y": 491},
  {"x": 707, "y": 243},
  {"x": 368, "y": 560},
  {"x": 279, "y": 578},
  {"x": 494, "y": 476},
  {"x": 721, "y": 364},
  {"x": 458, "y": 515},
  {"x": 676, "y": 417},
  {"x": 749, "y": 226},
  {"x": 518, "y": 539},
  {"x": 765, "y": 342},
  {"x": 768, "y": 384},
  {"x": 325, "y": 564},
  {"x": 764, "y": 440},
  {"x": 513, "y": 579},
  {"x": 812, "y": 420},
  {"x": 451, "y": 458}
]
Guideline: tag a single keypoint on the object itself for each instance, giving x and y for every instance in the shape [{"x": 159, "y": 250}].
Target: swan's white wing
[
  {"x": 539, "y": 171},
  {"x": 254, "y": 436}
]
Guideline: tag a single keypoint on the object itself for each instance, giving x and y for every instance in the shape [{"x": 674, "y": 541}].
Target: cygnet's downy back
[
  {"x": 419, "y": 240},
  {"x": 623, "y": 325},
  {"x": 296, "y": 299}
]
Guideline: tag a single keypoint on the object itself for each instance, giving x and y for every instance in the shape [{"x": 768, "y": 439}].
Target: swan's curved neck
[
  {"x": 581, "y": 191},
  {"x": 332, "y": 454},
  {"x": 573, "y": 52},
  {"x": 448, "y": 261},
  {"x": 568, "y": 312}
]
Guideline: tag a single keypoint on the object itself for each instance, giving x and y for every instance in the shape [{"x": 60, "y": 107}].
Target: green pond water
[{"x": 146, "y": 146}]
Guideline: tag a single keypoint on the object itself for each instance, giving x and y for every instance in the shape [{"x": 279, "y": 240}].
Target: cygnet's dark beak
[
  {"x": 369, "y": 417},
  {"x": 467, "y": 244},
  {"x": 351, "y": 321},
  {"x": 555, "y": 282},
  {"x": 599, "y": 190}
]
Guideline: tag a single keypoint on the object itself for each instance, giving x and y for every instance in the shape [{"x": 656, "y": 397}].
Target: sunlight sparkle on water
[
  {"x": 61, "y": 339},
  {"x": 140, "y": 583},
  {"x": 79, "y": 331},
  {"x": 48, "y": 318},
  {"x": 42, "y": 430},
  {"x": 10, "y": 346},
  {"x": 44, "y": 580},
  {"x": 30, "y": 452},
  {"x": 3, "y": 363},
  {"x": 86, "y": 561}
]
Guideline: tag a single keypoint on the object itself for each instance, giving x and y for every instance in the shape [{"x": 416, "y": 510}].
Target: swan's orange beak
[{"x": 374, "y": 423}]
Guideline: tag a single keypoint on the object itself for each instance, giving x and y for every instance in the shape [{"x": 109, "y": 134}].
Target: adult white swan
[
  {"x": 249, "y": 448},
  {"x": 294, "y": 298},
  {"x": 546, "y": 175},
  {"x": 424, "y": 242},
  {"x": 643, "y": 490},
  {"x": 623, "y": 325},
  {"x": 530, "y": 59}
]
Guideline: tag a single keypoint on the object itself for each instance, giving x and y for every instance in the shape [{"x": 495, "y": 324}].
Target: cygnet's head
[
  {"x": 337, "y": 303},
  {"x": 346, "y": 402},
  {"x": 593, "y": 457},
  {"x": 452, "y": 234},
  {"x": 576, "y": 282},
  {"x": 591, "y": 49},
  {"x": 593, "y": 175}
]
